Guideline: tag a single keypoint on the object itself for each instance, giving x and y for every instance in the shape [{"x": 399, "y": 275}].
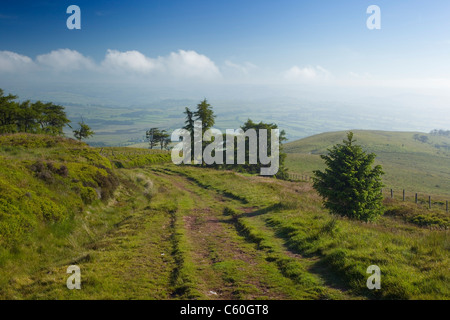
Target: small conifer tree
[
  {"x": 83, "y": 132},
  {"x": 349, "y": 185}
]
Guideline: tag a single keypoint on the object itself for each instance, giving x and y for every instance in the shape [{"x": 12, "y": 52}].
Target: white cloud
[
  {"x": 188, "y": 64},
  {"x": 244, "y": 68},
  {"x": 128, "y": 61},
  {"x": 65, "y": 60},
  {"x": 174, "y": 66},
  {"x": 13, "y": 62},
  {"x": 181, "y": 64},
  {"x": 307, "y": 73}
]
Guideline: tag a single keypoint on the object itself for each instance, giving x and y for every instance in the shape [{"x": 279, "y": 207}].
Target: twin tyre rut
[{"x": 226, "y": 265}]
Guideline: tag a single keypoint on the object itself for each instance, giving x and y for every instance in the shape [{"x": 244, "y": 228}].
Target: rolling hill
[
  {"x": 409, "y": 163},
  {"x": 140, "y": 227}
]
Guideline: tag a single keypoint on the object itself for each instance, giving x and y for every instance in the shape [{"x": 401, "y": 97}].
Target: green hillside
[
  {"x": 47, "y": 185},
  {"x": 409, "y": 163},
  {"x": 140, "y": 227},
  {"x": 45, "y": 180}
]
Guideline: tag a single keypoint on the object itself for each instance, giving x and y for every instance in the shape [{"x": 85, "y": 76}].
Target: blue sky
[{"x": 316, "y": 42}]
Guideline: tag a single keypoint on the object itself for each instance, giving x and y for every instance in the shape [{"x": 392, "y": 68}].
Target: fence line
[
  {"x": 415, "y": 196},
  {"x": 299, "y": 177},
  {"x": 391, "y": 193}
]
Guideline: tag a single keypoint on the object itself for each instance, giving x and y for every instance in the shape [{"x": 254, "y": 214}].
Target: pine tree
[
  {"x": 255, "y": 168},
  {"x": 349, "y": 185},
  {"x": 189, "y": 123},
  {"x": 205, "y": 114},
  {"x": 163, "y": 139},
  {"x": 83, "y": 132},
  {"x": 152, "y": 136},
  {"x": 37, "y": 117},
  {"x": 8, "y": 113}
]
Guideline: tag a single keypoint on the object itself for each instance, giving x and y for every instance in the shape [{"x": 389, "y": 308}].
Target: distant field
[
  {"x": 125, "y": 124},
  {"x": 409, "y": 164}
]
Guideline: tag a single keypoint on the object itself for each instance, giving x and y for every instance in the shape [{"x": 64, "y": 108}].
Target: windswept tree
[
  {"x": 152, "y": 137},
  {"x": 37, "y": 117},
  {"x": 349, "y": 185},
  {"x": 255, "y": 168},
  {"x": 189, "y": 122},
  {"x": 163, "y": 139},
  {"x": 156, "y": 137},
  {"x": 27, "y": 117},
  {"x": 205, "y": 114},
  {"x": 83, "y": 132},
  {"x": 8, "y": 113},
  {"x": 53, "y": 119}
]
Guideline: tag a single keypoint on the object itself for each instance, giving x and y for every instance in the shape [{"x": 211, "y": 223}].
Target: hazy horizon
[{"x": 286, "y": 55}]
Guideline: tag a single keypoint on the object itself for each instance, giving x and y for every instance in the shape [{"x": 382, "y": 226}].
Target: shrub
[
  {"x": 43, "y": 171},
  {"x": 107, "y": 183},
  {"x": 46, "y": 175},
  {"x": 350, "y": 186},
  {"x": 37, "y": 166},
  {"x": 50, "y": 211},
  {"x": 63, "y": 171},
  {"x": 88, "y": 195}
]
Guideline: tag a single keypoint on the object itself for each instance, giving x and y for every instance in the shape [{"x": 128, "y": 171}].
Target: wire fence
[{"x": 418, "y": 198}]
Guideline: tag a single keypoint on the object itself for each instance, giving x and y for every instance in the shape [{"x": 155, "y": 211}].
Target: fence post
[
  {"x": 416, "y": 198},
  {"x": 392, "y": 193},
  {"x": 446, "y": 205},
  {"x": 429, "y": 202},
  {"x": 403, "y": 194}
]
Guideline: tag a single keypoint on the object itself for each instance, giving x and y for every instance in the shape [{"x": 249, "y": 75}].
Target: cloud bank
[
  {"x": 177, "y": 65},
  {"x": 307, "y": 73},
  {"x": 187, "y": 67},
  {"x": 132, "y": 61},
  {"x": 65, "y": 60},
  {"x": 14, "y": 62}
]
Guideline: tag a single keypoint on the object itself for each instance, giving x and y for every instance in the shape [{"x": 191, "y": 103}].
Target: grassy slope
[
  {"x": 414, "y": 261},
  {"x": 409, "y": 164},
  {"x": 44, "y": 180},
  {"x": 47, "y": 185},
  {"x": 134, "y": 157},
  {"x": 173, "y": 232}
]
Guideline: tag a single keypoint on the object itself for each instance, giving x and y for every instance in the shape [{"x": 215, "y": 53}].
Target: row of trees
[
  {"x": 205, "y": 114},
  {"x": 441, "y": 132},
  {"x": 350, "y": 186},
  {"x": 156, "y": 137},
  {"x": 36, "y": 117}
]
